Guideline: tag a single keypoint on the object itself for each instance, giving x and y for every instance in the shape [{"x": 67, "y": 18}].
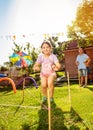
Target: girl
[{"x": 48, "y": 63}]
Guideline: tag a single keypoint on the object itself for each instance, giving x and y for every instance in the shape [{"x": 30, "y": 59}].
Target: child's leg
[
  {"x": 86, "y": 77},
  {"x": 44, "y": 86},
  {"x": 81, "y": 80},
  {"x": 86, "y": 80},
  {"x": 51, "y": 79}
]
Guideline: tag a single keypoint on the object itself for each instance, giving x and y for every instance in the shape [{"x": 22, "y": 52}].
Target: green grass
[{"x": 24, "y": 112}]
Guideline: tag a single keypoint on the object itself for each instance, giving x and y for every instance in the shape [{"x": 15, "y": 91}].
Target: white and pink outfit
[{"x": 46, "y": 64}]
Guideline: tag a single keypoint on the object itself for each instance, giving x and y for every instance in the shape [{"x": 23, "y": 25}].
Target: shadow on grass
[
  {"x": 75, "y": 119},
  {"x": 90, "y": 88},
  {"x": 18, "y": 107},
  {"x": 6, "y": 89},
  {"x": 57, "y": 118},
  {"x": 26, "y": 126}
]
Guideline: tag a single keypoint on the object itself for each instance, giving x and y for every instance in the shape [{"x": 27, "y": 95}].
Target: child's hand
[
  {"x": 54, "y": 68},
  {"x": 36, "y": 68},
  {"x": 77, "y": 63},
  {"x": 86, "y": 64}
]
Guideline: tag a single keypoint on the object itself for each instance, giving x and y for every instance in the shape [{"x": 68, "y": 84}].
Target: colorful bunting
[{"x": 45, "y": 35}]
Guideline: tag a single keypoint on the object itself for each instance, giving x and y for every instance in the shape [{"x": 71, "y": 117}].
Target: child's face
[
  {"x": 81, "y": 51},
  {"x": 46, "y": 49}
]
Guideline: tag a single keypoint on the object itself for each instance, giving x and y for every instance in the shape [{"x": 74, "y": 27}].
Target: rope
[{"x": 14, "y": 105}]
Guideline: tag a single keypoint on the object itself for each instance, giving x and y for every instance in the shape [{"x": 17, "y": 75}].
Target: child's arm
[
  {"x": 36, "y": 67},
  {"x": 56, "y": 66},
  {"x": 77, "y": 63},
  {"x": 87, "y": 62}
]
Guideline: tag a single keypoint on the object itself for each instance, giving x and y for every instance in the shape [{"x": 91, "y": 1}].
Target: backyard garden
[
  {"x": 20, "y": 100},
  {"x": 72, "y": 108}
]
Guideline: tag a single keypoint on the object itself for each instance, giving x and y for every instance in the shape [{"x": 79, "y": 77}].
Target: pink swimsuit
[{"x": 46, "y": 64}]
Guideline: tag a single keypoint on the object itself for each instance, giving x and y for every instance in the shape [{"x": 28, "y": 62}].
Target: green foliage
[
  {"x": 72, "y": 33},
  {"x": 3, "y": 68},
  {"x": 33, "y": 52},
  {"x": 57, "y": 47},
  {"x": 85, "y": 42},
  {"x": 82, "y": 26},
  {"x": 84, "y": 18},
  {"x": 17, "y": 48}
]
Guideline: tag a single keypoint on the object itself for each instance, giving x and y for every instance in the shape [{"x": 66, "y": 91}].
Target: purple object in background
[{"x": 21, "y": 80}]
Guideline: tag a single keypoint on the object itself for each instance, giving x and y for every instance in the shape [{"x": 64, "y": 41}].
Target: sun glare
[
  {"x": 37, "y": 18},
  {"x": 33, "y": 16}
]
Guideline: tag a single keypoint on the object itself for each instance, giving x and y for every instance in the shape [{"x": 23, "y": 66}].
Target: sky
[{"x": 33, "y": 19}]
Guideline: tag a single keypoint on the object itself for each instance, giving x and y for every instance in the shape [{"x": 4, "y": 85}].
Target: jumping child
[{"x": 48, "y": 63}]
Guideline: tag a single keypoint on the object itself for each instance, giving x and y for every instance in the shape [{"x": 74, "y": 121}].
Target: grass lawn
[{"x": 23, "y": 111}]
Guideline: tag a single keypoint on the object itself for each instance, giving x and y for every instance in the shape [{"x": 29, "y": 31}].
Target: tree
[
  {"x": 33, "y": 52},
  {"x": 57, "y": 47},
  {"x": 82, "y": 26},
  {"x": 17, "y": 48},
  {"x": 84, "y": 18}
]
